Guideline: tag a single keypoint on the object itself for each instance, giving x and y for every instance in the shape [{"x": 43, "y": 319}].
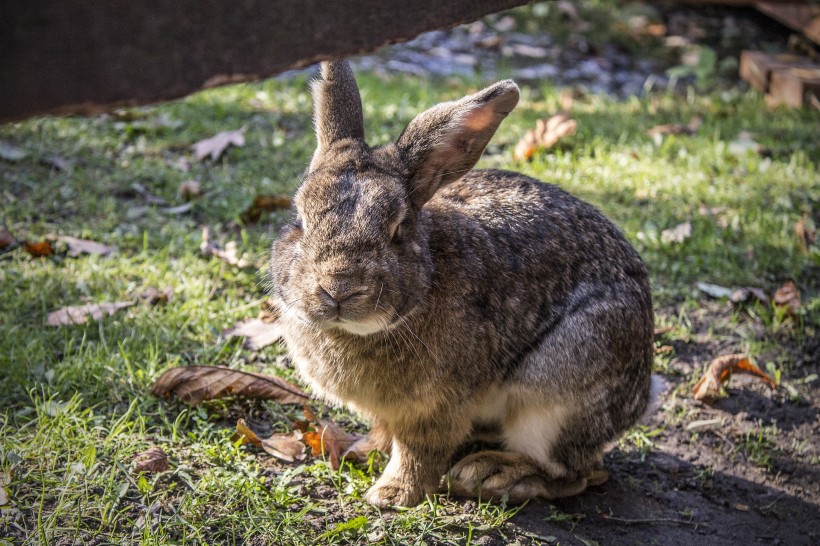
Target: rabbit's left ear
[
  {"x": 337, "y": 107},
  {"x": 443, "y": 143}
]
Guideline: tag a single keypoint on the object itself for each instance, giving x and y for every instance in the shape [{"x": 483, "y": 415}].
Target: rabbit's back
[{"x": 562, "y": 294}]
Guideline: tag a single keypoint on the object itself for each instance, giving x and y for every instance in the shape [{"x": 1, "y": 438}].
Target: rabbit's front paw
[{"x": 393, "y": 492}]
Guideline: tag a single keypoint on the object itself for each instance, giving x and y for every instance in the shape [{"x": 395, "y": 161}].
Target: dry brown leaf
[
  {"x": 264, "y": 203},
  {"x": 229, "y": 254},
  {"x": 788, "y": 297},
  {"x": 287, "y": 446},
  {"x": 244, "y": 433},
  {"x": 677, "y": 234},
  {"x": 720, "y": 371},
  {"x": 79, "y": 314},
  {"x": 805, "y": 230},
  {"x": 217, "y": 144},
  {"x": 154, "y": 296},
  {"x": 330, "y": 440},
  {"x": 4, "y": 495},
  {"x": 83, "y": 246},
  {"x": 189, "y": 190},
  {"x": 193, "y": 384},
  {"x": 258, "y": 332},
  {"x": 546, "y": 134},
  {"x": 39, "y": 249},
  {"x": 152, "y": 459},
  {"x": 6, "y": 238}
]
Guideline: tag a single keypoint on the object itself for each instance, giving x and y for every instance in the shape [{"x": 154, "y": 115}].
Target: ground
[{"x": 75, "y": 407}]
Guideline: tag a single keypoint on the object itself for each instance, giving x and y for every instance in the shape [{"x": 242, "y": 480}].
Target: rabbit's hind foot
[{"x": 496, "y": 475}]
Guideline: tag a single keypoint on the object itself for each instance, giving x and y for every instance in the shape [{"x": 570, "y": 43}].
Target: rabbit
[{"x": 446, "y": 303}]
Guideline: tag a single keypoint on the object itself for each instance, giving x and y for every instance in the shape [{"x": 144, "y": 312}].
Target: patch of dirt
[{"x": 749, "y": 475}]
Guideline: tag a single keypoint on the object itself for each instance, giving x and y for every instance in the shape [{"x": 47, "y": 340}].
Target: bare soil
[{"x": 752, "y": 477}]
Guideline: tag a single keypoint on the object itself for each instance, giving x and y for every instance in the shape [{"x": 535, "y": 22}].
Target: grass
[{"x": 75, "y": 406}]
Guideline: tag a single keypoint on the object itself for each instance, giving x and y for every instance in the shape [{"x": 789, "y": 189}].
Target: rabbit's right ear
[
  {"x": 443, "y": 143},
  {"x": 337, "y": 107}
]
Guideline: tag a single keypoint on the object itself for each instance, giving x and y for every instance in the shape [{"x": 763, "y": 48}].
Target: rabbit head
[{"x": 356, "y": 257}]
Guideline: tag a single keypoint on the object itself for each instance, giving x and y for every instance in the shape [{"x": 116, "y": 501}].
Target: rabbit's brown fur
[{"x": 442, "y": 302}]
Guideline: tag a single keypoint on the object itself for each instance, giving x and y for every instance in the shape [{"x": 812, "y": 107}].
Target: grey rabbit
[{"x": 446, "y": 304}]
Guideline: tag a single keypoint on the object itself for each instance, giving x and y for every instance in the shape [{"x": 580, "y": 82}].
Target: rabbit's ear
[
  {"x": 337, "y": 107},
  {"x": 443, "y": 143}
]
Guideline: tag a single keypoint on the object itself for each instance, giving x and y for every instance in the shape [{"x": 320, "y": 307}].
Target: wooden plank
[
  {"x": 790, "y": 86},
  {"x": 64, "y": 56},
  {"x": 803, "y": 18},
  {"x": 756, "y": 67}
]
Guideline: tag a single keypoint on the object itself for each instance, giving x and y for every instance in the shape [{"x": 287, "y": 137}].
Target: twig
[{"x": 654, "y": 520}]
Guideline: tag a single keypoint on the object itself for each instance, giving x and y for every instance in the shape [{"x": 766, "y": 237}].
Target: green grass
[{"x": 75, "y": 406}]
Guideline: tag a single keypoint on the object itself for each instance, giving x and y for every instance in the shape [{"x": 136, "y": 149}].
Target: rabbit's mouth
[{"x": 361, "y": 327}]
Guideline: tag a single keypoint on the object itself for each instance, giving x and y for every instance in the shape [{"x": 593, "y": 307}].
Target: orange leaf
[
  {"x": 43, "y": 248},
  {"x": 330, "y": 440},
  {"x": 720, "y": 371}
]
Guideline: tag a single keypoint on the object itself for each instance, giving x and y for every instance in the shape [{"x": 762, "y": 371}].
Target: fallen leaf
[
  {"x": 6, "y": 238},
  {"x": 11, "y": 153},
  {"x": 39, "y": 249},
  {"x": 359, "y": 451},
  {"x": 4, "y": 495},
  {"x": 154, "y": 296},
  {"x": 229, "y": 255},
  {"x": 330, "y": 440},
  {"x": 193, "y": 384},
  {"x": 245, "y": 434},
  {"x": 720, "y": 371},
  {"x": 806, "y": 231},
  {"x": 217, "y": 144},
  {"x": 545, "y": 135},
  {"x": 152, "y": 459},
  {"x": 264, "y": 203},
  {"x": 83, "y": 246},
  {"x": 258, "y": 332},
  {"x": 287, "y": 446},
  {"x": 678, "y": 234},
  {"x": 189, "y": 190},
  {"x": 788, "y": 297},
  {"x": 79, "y": 314}
]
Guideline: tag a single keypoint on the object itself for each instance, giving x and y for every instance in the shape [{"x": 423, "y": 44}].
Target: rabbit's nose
[{"x": 336, "y": 295}]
